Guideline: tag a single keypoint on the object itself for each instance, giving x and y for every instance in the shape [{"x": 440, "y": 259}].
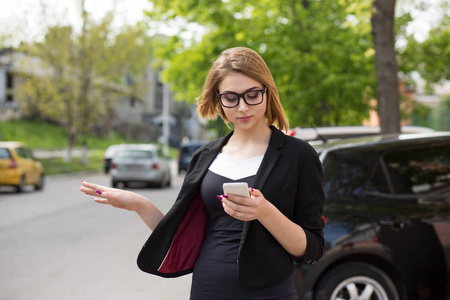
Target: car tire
[
  {"x": 20, "y": 188},
  {"x": 351, "y": 280},
  {"x": 114, "y": 184},
  {"x": 40, "y": 185}
]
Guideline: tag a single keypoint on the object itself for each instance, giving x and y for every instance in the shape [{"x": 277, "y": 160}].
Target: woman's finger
[
  {"x": 102, "y": 201},
  {"x": 95, "y": 187}
]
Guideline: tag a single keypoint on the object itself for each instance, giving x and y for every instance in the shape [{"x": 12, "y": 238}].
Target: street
[{"x": 59, "y": 244}]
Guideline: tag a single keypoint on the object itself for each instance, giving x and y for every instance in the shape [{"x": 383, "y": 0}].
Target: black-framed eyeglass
[{"x": 230, "y": 99}]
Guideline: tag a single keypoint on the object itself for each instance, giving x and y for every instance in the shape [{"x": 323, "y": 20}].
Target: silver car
[{"x": 140, "y": 163}]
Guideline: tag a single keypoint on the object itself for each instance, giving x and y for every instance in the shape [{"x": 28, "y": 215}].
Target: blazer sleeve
[{"x": 309, "y": 204}]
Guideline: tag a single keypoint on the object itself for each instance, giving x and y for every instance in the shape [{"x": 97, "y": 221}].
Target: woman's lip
[{"x": 244, "y": 119}]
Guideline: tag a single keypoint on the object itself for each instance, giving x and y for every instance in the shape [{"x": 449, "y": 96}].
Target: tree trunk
[{"x": 386, "y": 65}]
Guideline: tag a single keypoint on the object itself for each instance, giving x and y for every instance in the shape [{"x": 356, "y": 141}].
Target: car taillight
[
  {"x": 13, "y": 164},
  {"x": 324, "y": 219},
  {"x": 155, "y": 166},
  {"x": 113, "y": 166}
]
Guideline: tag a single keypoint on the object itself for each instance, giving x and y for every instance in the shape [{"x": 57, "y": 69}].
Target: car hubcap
[{"x": 359, "y": 288}]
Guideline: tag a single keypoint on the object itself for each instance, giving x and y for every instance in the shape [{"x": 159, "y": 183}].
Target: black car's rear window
[
  {"x": 4, "y": 153},
  {"x": 419, "y": 171}
]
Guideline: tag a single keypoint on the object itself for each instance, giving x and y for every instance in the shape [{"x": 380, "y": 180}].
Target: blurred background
[
  {"x": 86, "y": 74},
  {"x": 83, "y": 82}
]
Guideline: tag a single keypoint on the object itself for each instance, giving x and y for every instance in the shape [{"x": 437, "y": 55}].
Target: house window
[{"x": 9, "y": 80}]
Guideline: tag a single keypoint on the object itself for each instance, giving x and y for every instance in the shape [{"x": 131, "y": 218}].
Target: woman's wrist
[{"x": 140, "y": 203}]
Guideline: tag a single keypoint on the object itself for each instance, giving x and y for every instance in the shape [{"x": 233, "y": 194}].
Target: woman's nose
[{"x": 242, "y": 105}]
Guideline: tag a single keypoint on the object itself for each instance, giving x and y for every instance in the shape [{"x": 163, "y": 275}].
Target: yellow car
[{"x": 18, "y": 167}]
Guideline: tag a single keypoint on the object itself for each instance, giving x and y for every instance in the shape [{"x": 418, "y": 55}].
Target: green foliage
[
  {"x": 76, "y": 78},
  {"x": 319, "y": 52},
  {"x": 431, "y": 57}
]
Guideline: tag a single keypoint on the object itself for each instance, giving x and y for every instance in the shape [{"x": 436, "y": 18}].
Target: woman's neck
[{"x": 247, "y": 144}]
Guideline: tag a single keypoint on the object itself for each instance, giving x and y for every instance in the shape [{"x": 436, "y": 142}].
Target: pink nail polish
[
  {"x": 225, "y": 196},
  {"x": 98, "y": 192},
  {"x": 219, "y": 197},
  {"x": 252, "y": 190}
]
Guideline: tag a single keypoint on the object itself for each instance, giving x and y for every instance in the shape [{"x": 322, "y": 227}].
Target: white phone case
[{"x": 236, "y": 188}]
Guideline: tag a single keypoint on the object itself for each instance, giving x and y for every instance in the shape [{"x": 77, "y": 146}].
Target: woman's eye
[
  {"x": 230, "y": 97},
  {"x": 252, "y": 95}
]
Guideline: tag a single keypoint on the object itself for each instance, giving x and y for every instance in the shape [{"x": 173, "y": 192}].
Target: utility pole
[{"x": 165, "y": 119}]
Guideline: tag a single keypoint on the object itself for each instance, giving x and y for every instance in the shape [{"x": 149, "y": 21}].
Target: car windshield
[{"x": 135, "y": 154}]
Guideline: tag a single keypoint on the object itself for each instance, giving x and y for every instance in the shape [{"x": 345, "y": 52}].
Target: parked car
[
  {"x": 337, "y": 132},
  {"x": 140, "y": 163},
  {"x": 187, "y": 149},
  {"x": 387, "y": 232},
  {"x": 18, "y": 167}
]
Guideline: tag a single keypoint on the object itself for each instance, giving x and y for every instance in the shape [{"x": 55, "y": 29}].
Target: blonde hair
[{"x": 251, "y": 64}]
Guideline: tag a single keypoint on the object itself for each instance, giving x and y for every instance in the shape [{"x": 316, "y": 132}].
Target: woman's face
[{"x": 243, "y": 116}]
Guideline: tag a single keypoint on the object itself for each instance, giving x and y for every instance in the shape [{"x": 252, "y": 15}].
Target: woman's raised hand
[{"x": 115, "y": 197}]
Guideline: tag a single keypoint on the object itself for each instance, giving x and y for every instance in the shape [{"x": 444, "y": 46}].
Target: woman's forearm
[
  {"x": 290, "y": 235},
  {"x": 149, "y": 213}
]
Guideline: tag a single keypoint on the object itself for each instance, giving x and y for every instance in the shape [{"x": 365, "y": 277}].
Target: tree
[
  {"x": 431, "y": 57},
  {"x": 320, "y": 52},
  {"x": 386, "y": 65},
  {"x": 81, "y": 75}
]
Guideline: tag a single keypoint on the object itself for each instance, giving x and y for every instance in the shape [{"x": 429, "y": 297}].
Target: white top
[{"x": 229, "y": 167}]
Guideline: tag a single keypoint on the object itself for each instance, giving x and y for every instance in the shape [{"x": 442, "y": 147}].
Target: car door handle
[{"x": 396, "y": 222}]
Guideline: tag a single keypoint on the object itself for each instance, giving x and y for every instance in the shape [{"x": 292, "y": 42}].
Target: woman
[{"x": 237, "y": 247}]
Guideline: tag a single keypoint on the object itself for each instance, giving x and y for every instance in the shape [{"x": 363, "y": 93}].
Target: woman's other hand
[
  {"x": 148, "y": 212},
  {"x": 111, "y": 196}
]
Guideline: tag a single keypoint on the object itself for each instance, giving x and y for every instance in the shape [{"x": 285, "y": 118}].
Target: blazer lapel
[
  {"x": 270, "y": 158},
  {"x": 206, "y": 158}
]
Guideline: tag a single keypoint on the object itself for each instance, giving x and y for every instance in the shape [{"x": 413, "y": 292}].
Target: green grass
[
  {"x": 40, "y": 135},
  {"x": 45, "y": 136},
  {"x": 36, "y": 135}
]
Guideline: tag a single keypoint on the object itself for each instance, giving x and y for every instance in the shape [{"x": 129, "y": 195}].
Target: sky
[{"x": 14, "y": 14}]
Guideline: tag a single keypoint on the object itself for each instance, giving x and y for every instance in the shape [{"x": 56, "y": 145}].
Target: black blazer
[{"x": 290, "y": 176}]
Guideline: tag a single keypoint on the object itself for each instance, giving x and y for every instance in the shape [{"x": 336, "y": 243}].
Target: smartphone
[{"x": 236, "y": 188}]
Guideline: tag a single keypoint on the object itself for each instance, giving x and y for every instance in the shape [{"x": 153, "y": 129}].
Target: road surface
[{"x": 59, "y": 244}]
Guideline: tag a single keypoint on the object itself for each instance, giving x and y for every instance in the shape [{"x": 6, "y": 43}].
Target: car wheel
[
  {"x": 21, "y": 186},
  {"x": 114, "y": 184},
  {"x": 40, "y": 185},
  {"x": 353, "y": 281}
]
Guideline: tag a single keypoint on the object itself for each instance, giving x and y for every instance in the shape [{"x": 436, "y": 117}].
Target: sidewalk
[{"x": 39, "y": 154}]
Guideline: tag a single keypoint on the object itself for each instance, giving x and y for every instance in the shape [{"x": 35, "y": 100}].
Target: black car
[
  {"x": 387, "y": 232},
  {"x": 187, "y": 149}
]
